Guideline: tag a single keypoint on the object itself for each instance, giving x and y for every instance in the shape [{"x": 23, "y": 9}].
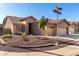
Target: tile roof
[
  {"x": 17, "y": 20},
  {"x": 14, "y": 19},
  {"x": 55, "y": 21}
]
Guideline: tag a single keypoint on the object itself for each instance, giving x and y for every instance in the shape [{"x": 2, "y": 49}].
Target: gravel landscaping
[
  {"x": 30, "y": 41},
  {"x": 18, "y": 44}
]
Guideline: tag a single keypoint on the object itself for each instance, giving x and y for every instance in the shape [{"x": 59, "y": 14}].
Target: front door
[
  {"x": 30, "y": 28},
  {"x": 67, "y": 30}
]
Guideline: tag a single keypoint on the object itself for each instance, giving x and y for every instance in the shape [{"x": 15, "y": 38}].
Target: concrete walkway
[
  {"x": 70, "y": 50},
  {"x": 33, "y": 53},
  {"x": 67, "y": 51}
]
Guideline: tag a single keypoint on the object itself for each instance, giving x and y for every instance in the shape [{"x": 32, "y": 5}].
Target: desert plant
[{"x": 24, "y": 34}]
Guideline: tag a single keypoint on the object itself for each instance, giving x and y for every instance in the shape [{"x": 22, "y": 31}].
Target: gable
[
  {"x": 30, "y": 19},
  {"x": 7, "y": 23},
  {"x": 63, "y": 23}
]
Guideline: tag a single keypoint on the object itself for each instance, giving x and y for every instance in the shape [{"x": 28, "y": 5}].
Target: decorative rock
[{"x": 2, "y": 42}]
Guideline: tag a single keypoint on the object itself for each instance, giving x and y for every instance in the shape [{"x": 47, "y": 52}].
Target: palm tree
[{"x": 42, "y": 23}]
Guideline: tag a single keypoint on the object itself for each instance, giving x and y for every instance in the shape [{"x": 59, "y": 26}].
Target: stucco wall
[
  {"x": 27, "y": 21},
  {"x": 9, "y": 25},
  {"x": 35, "y": 29}
]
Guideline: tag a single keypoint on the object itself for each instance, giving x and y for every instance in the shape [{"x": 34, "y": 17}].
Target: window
[
  {"x": 18, "y": 27},
  {"x": 22, "y": 28}
]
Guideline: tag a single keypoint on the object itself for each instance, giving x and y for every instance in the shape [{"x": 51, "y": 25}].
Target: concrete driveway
[{"x": 72, "y": 36}]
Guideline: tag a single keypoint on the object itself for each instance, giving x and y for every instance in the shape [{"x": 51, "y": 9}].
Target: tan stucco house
[
  {"x": 17, "y": 25},
  {"x": 51, "y": 27},
  {"x": 1, "y": 29},
  {"x": 62, "y": 27}
]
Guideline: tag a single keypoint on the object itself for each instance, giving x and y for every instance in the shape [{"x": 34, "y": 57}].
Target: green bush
[
  {"x": 7, "y": 36},
  {"x": 24, "y": 34}
]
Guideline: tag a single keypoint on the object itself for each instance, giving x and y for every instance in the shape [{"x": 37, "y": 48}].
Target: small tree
[{"x": 42, "y": 23}]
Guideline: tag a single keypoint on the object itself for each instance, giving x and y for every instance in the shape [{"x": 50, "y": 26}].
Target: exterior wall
[
  {"x": 50, "y": 31},
  {"x": 26, "y": 26},
  {"x": 63, "y": 24},
  {"x": 1, "y": 30},
  {"x": 9, "y": 25},
  {"x": 62, "y": 31},
  {"x": 27, "y": 21},
  {"x": 17, "y": 29},
  {"x": 35, "y": 29}
]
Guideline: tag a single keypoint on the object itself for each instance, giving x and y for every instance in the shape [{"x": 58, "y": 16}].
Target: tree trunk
[{"x": 42, "y": 32}]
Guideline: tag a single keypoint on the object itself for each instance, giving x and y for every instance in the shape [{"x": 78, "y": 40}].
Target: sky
[{"x": 70, "y": 11}]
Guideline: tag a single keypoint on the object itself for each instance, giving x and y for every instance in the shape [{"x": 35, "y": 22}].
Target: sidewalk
[
  {"x": 70, "y": 50},
  {"x": 2, "y": 53},
  {"x": 67, "y": 51}
]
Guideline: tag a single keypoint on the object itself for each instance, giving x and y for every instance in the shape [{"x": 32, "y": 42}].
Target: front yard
[
  {"x": 30, "y": 40},
  {"x": 39, "y": 45},
  {"x": 17, "y": 44}
]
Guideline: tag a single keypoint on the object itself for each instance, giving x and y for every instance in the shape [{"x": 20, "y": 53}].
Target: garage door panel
[
  {"x": 71, "y": 30},
  {"x": 62, "y": 31}
]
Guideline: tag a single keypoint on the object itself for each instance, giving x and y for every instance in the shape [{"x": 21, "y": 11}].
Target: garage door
[
  {"x": 71, "y": 30},
  {"x": 62, "y": 31},
  {"x": 50, "y": 31}
]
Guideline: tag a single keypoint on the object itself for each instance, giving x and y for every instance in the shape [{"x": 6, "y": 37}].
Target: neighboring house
[
  {"x": 73, "y": 28},
  {"x": 16, "y": 25},
  {"x": 51, "y": 27},
  {"x": 77, "y": 26}
]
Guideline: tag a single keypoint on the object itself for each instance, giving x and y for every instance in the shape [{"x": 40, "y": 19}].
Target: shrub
[
  {"x": 24, "y": 34},
  {"x": 7, "y": 36}
]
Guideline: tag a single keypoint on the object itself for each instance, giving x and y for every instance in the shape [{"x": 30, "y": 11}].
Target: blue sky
[{"x": 70, "y": 10}]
